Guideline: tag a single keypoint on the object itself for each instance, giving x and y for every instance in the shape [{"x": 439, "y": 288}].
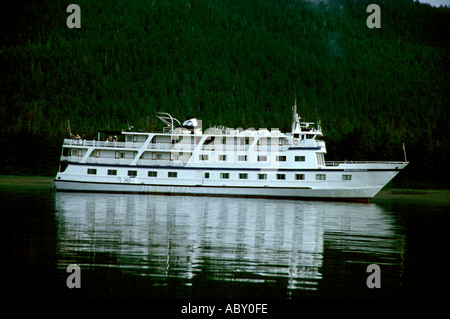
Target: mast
[{"x": 295, "y": 118}]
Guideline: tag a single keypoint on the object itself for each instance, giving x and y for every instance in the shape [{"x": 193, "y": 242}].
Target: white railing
[
  {"x": 160, "y": 146},
  {"x": 94, "y": 143},
  {"x": 337, "y": 163},
  {"x": 147, "y": 162},
  {"x": 123, "y": 161},
  {"x": 170, "y": 146},
  {"x": 271, "y": 148}
]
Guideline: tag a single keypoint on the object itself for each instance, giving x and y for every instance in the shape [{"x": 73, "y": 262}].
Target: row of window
[
  {"x": 260, "y": 158},
  {"x": 298, "y": 177},
  {"x": 131, "y": 173}
]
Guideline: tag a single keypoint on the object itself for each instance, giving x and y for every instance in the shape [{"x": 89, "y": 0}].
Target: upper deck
[{"x": 188, "y": 143}]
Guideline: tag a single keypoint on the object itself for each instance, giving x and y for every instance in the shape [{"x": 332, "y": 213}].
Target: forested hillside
[{"x": 229, "y": 62}]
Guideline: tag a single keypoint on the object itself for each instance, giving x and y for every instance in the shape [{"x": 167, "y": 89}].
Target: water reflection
[{"x": 225, "y": 239}]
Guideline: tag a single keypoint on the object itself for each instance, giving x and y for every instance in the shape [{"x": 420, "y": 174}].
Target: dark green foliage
[{"x": 234, "y": 63}]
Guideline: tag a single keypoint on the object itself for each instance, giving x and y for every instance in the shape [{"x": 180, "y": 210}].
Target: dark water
[{"x": 138, "y": 246}]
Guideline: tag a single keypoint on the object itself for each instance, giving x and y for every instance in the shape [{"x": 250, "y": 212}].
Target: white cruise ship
[{"x": 185, "y": 160}]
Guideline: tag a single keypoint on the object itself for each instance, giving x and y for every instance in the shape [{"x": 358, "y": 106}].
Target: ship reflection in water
[{"x": 256, "y": 241}]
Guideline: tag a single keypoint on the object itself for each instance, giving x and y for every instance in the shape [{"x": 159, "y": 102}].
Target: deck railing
[
  {"x": 337, "y": 163},
  {"x": 95, "y": 143}
]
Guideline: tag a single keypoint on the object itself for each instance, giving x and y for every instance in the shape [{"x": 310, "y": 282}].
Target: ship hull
[
  {"x": 357, "y": 195},
  {"x": 365, "y": 184}
]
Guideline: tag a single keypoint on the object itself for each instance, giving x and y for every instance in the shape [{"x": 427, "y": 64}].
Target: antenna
[
  {"x": 404, "y": 152},
  {"x": 167, "y": 119},
  {"x": 295, "y": 119}
]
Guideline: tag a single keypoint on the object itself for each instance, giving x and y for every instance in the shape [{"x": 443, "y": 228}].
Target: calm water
[{"x": 139, "y": 246}]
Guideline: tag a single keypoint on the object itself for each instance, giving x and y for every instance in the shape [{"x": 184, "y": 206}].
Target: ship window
[
  {"x": 262, "y": 158},
  {"x": 299, "y": 158},
  {"x": 92, "y": 171},
  {"x": 321, "y": 177},
  {"x": 132, "y": 173},
  {"x": 299, "y": 177},
  {"x": 129, "y": 138},
  {"x": 262, "y": 176},
  {"x": 172, "y": 174},
  {"x": 281, "y": 176},
  {"x": 225, "y": 175},
  {"x": 296, "y": 135},
  {"x": 346, "y": 177},
  {"x": 74, "y": 152},
  {"x": 152, "y": 173},
  {"x": 207, "y": 175},
  {"x": 242, "y": 158},
  {"x": 158, "y": 156},
  {"x": 222, "y": 157},
  {"x": 281, "y": 158},
  {"x": 243, "y": 176},
  {"x": 122, "y": 154},
  {"x": 112, "y": 172},
  {"x": 203, "y": 157}
]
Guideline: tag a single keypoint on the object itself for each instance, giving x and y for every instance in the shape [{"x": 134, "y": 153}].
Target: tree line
[{"x": 233, "y": 63}]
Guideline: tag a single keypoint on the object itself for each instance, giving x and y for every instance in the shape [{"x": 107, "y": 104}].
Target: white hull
[
  {"x": 264, "y": 192},
  {"x": 365, "y": 183}
]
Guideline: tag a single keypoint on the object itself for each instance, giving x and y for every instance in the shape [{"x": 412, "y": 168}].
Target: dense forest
[{"x": 238, "y": 63}]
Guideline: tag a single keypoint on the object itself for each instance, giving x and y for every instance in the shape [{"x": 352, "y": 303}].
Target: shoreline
[{"x": 13, "y": 180}]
